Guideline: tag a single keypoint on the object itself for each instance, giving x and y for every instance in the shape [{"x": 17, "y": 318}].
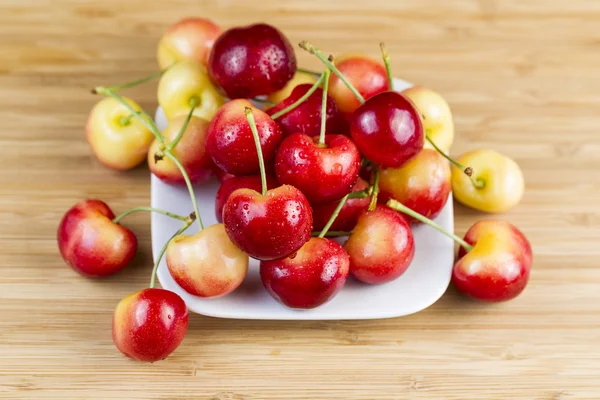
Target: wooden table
[{"x": 522, "y": 76}]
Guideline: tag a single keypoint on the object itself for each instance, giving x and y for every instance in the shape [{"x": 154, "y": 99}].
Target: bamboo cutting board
[{"x": 522, "y": 76}]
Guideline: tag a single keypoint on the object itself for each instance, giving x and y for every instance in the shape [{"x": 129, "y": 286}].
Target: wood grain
[{"x": 521, "y": 76}]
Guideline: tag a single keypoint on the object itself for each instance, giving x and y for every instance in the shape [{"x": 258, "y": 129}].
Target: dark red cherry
[
  {"x": 387, "y": 129},
  {"x": 346, "y": 219},
  {"x": 252, "y": 60}
]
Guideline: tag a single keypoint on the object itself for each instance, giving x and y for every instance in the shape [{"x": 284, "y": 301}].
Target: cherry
[
  {"x": 313, "y": 276},
  {"x": 230, "y": 185},
  {"x": 252, "y": 60},
  {"x": 150, "y": 324},
  {"x": 306, "y": 117},
  {"x": 230, "y": 142},
  {"x": 92, "y": 243},
  {"x": 381, "y": 246},
  {"x": 348, "y": 216}
]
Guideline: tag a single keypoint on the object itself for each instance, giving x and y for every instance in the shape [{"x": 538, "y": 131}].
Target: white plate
[{"x": 420, "y": 286}]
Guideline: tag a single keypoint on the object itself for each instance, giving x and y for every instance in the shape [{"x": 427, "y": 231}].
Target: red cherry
[
  {"x": 252, "y": 60},
  {"x": 91, "y": 243},
  {"x": 268, "y": 226},
  {"x": 381, "y": 247},
  {"x": 348, "y": 216},
  {"x": 323, "y": 174},
  {"x": 387, "y": 129},
  {"x": 497, "y": 267},
  {"x": 230, "y": 142},
  {"x": 239, "y": 182},
  {"x": 150, "y": 324},
  {"x": 306, "y": 118},
  {"x": 313, "y": 276}
]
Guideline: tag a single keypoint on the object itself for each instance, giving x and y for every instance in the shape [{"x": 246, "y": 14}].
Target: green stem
[
  {"x": 333, "y": 216},
  {"x": 396, "y": 205},
  {"x": 124, "y": 121},
  {"x": 307, "y": 71},
  {"x": 332, "y": 233},
  {"x": 261, "y": 161},
  {"x": 468, "y": 171},
  {"x": 360, "y": 195},
  {"x": 324, "y": 106},
  {"x": 150, "y": 209},
  {"x": 313, "y": 50},
  {"x": 148, "y": 122},
  {"x": 139, "y": 81},
  {"x": 163, "y": 250},
  {"x": 189, "y": 186},
  {"x": 300, "y": 100},
  {"x": 373, "y": 202},
  {"x": 388, "y": 64},
  {"x": 171, "y": 146}
]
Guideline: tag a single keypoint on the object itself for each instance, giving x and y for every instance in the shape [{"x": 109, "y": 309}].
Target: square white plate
[{"x": 420, "y": 286}]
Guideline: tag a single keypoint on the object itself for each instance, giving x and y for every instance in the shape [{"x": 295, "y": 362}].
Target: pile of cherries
[{"x": 337, "y": 153}]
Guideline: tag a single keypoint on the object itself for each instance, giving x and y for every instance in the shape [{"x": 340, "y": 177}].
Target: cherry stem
[
  {"x": 261, "y": 161},
  {"x": 139, "y": 114},
  {"x": 375, "y": 191},
  {"x": 332, "y": 233},
  {"x": 396, "y": 205},
  {"x": 189, "y": 186},
  {"x": 124, "y": 121},
  {"x": 324, "y": 106},
  {"x": 307, "y": 71},
  {"x": 150, "y": 209},
  {"x": 468, "y": 171},
  {"x": 164, "y": 249},
  {"x": 336, "y": 212},
  {"x": 361, "y": 195},
  {"x": 388, "y": 64},
  {"x": 170, "y": 146},
  {"x": 139, "y": 81},
  {"x": 300, "y": 100},
  {"x": 313, "y": 50}
]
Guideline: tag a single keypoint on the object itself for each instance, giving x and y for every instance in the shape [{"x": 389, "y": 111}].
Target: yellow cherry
[
  {"x": 299, "y": 78},
  {"x": 496, "y": 184}
]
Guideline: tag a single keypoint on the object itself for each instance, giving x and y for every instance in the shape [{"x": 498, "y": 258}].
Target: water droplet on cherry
[{"x": 337, "y": 169}]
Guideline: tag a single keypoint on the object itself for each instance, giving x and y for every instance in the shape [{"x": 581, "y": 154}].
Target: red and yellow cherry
[
  {"x": 184, "y": 85},
  {"x": 312, "y": 277},
  {"x": 299, "y": 78},
  {"x": 190, "y": 150},
  {"x": 349, "y": 213},
  {"x": 252, "y": 60},
  {"x": 436, "y": 116},
  {"x": 421, "y": 184},
  {"x": 387, "y": 129},
  {"x": 230, "y": 142},
  {"x": 234, "y": 183},
  {"x": 118, "y": 139},
  {"x": 324, "y": 173},
  {"x": 91, "y": 243},
  {"x": 269, "y": 226},
  {"x": 498, "y": 265},
  {"x": 495, "y": 186},
  {"x": 189, "y": 39},
  {"x": 366, "y": 74},
  {"x": 306, "y": 118},
  {"x": 381, "y": 246},
  {"x": 150, "y": 324},
  {"x": 207, "y": 264}
]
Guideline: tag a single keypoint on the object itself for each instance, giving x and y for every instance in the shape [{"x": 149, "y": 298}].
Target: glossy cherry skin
[
  {"x": 387, "y": 129},
  {"x": 230, "y": 142},
  {"x": 348, "y": 216},
  {"x": 498, "y": 266},
  {"x": 381, "y": 247},
  {"x": 306, "y": 118},
  {"x": 252, "y": 60},
  {"x": 150, "y": 324},
  {"x": 313, "y": 276},
  {"x": 323, "y": 174},
  {"x": 234, "y": 183},
  {"x": 271, "y": 226},
  {"x": 421, "y": 184},
  {"x": 91, "y": 243}
]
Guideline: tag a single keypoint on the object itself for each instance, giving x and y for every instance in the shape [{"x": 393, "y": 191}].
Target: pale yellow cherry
[
  {"x": 299, "y": 78},
  {"x": 182, "y": 85},
  {"x": 435, "y": 114},
  {"x": 116, "y": 136},
  {"x": 496, "y": 184}
]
